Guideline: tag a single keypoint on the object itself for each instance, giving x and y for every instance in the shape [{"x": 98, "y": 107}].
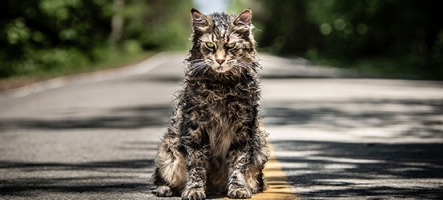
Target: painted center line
[{"x": 279, "y": 187}]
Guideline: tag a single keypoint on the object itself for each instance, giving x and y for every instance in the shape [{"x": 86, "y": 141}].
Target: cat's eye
[
  {"x": 231, "y": 45},
  {"x": 210, "y": 44}
]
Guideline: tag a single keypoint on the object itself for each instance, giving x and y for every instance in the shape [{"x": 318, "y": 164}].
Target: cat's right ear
[{"x": 199, "y": 21}]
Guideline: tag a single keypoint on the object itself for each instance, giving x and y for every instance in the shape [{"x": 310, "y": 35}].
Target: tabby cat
[{"x": 215, "y": 143}]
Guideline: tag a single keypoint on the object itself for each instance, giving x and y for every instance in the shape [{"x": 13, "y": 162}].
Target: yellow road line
[{"x": 279, "y": 188}]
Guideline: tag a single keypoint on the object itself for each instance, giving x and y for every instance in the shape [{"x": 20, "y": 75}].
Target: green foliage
[
  {"x": 46, "y": 36},
  {"x": 377, "y": 27},
  {"x": 282, "y": 26},
  {"x": 159, "y": 24},
  {"x": 368, "y": 35},
  {"x": 237, "y": 6}
]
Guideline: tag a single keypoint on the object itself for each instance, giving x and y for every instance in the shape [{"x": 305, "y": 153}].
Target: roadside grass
[
  {"x": 388, "y": 67},
  {"x": 116, "y": 61}
]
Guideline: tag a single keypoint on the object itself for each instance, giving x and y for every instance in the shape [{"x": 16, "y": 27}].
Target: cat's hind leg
[
  {"x": 170, "y": 175},
  {"x": 164, "y": 191},
  {"x": 259, "y": 156},
  {"x": 255, "y": 179}
]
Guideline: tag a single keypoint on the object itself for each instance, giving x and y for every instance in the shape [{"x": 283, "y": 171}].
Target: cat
[{"x": 215, "y": 142}]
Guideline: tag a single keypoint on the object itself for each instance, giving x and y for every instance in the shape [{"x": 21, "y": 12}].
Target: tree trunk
[{"x": 117, "y": 21}]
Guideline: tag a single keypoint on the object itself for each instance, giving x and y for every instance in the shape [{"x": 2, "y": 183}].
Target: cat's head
[{"x": 222, "y": 41}]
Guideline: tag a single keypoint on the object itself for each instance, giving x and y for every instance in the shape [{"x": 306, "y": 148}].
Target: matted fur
[{"x": 214, "y": 142}]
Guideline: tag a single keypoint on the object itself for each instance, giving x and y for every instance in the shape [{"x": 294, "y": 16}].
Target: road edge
[{"x": 135, "y": 69}]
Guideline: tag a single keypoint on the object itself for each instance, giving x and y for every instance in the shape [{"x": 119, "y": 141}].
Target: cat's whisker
[
  {"x": 197, "y": 67},
  {"x": 197, "y": 60}
]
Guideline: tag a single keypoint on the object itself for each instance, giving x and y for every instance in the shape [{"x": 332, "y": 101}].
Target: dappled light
[
  {"x": 338, "y": 138},
  {"x": 349, "y": 93}
]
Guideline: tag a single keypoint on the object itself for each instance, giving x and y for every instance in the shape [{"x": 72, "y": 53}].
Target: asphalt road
[{"x": 95, "y": 136}]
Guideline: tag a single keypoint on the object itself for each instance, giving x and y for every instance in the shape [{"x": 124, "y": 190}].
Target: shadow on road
[
  {"x": 403, "y": 158},
  {"x": 30, "y": 179},
  {"x": 339, "y": 169},
  {"x": 59, "y": 181},
  {"x": 118, "y": 118},
  {"x": 417, "y": 118}
]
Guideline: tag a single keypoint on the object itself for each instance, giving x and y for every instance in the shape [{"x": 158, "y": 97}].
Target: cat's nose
[{"x": 220, "y": 61}]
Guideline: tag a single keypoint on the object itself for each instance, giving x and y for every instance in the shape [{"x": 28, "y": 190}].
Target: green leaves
[
  {"x": 17, "y": 31},
  {"x": 39, "y": 36}
]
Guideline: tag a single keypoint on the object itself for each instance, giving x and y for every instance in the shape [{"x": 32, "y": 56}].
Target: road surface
[{"x": 96, "y": 137}]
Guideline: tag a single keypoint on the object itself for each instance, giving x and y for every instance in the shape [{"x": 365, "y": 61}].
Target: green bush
[
  {"x": 394, "y": 37},
  {"x": 64, "y": 36}
]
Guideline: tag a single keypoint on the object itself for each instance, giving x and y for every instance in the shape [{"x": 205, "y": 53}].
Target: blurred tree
[
  {"x": 398, "y": 35},
  {"x": 57, "y": 35},
  {"x": 117, "y": 21},
  {"x": 285, "y": 28},
  {"x": 158, "y": 24},
  {"x": 390, "y": 28}
]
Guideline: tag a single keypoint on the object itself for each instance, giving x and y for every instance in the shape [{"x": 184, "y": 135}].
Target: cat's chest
[
  {"x": 223, "y": 94},
  {"x": 222, "y": 106},
  {"x": 219, "y": 105}
]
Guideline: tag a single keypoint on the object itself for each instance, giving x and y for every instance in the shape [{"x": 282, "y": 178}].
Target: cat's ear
[
  {"x": 199, "y": 21},
  {"x": 244, "y": 18}
]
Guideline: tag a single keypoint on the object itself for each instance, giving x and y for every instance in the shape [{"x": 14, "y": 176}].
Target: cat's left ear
[
  {"x": 244, "y": 18},
  {"x": 199, "y": 21}
]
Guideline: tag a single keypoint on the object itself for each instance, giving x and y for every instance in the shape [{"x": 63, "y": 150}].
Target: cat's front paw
[
  {"x": 164, "y": 191},
  {"x": 194, "y": 194},
  {"x": 239, "y": 193}
]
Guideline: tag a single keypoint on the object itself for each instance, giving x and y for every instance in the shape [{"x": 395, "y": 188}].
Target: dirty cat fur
[{"x": 215, "y": 143}]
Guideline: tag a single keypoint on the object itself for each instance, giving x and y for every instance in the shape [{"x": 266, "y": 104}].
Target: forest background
[{"x": 40, "y": 39}]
